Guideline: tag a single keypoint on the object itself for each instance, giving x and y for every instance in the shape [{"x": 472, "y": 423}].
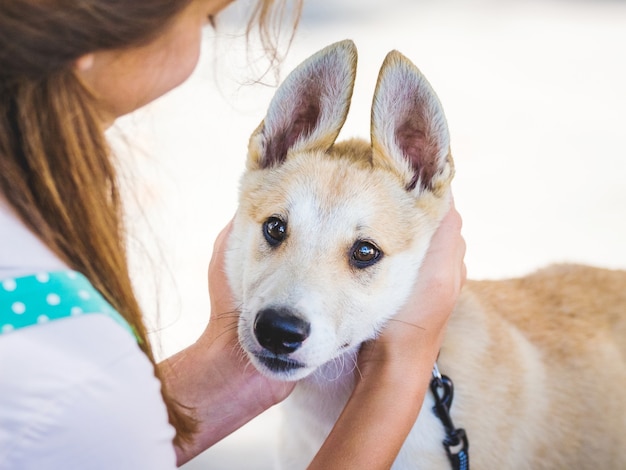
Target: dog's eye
[
  {"x": 364, "y": 254},
  {"x": 274, "y": 230}
]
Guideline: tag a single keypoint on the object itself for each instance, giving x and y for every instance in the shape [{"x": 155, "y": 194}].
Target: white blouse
[{"x": 76, "y": 392}]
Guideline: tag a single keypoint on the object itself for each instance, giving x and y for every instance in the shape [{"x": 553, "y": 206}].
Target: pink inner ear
[
  {"x": 304, "y": 120},
  {"x": 416, "y": 149}
]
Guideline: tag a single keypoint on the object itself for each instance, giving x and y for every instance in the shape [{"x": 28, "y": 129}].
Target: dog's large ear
[
  {"x": 409, "y": 130},
  {"x": 308, "y": 109}
]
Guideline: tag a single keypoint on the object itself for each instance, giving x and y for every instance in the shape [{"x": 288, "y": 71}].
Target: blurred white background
[{"x": 535, "y": 96}]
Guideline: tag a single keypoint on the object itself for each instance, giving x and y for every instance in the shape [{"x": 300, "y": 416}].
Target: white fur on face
[{"x": 310, "y": 272}]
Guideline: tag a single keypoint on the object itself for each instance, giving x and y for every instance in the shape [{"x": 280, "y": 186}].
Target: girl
[{"x": 79, "y": 387}]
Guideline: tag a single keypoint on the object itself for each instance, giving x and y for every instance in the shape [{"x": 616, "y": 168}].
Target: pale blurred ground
[{"x": 535, "y": 95}]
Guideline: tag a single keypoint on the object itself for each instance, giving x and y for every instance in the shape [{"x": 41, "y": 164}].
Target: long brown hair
[{"x": 56, "y": 168}]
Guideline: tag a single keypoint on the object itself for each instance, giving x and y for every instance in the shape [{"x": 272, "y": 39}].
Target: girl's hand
[
  {"x": 419, "y": 327},
  {"x": 221, "y": 331},
  {"x": 212, "y": 378}
]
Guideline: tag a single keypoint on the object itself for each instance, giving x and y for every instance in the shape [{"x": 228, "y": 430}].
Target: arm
[
  {"x": 396, "y": 367},
  {"x": 212, "y": 377}
]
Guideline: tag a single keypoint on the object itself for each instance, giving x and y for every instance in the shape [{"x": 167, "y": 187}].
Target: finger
[
  {"x": 219, "y": 290},
  {"x": 220, "y": 242}
]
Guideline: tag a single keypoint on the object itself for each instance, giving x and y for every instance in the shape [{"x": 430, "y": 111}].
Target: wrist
[
  {"x": 402, "y": 353},
  {"x": 220, "y": 389}
]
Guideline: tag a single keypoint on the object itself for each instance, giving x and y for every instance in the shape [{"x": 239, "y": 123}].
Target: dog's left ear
[
  {"x": 409, "y": 130},
  {"x": 308, "y": 109}
]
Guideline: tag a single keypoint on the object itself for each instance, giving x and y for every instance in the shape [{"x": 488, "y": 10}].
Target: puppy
[{"x": 327, "y": 244}]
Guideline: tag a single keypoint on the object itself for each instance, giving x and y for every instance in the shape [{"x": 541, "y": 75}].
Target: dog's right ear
[{"x": 308, "y": 109}]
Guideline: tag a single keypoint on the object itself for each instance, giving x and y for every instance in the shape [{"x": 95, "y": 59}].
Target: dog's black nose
[{"x": 279, "y": 331}]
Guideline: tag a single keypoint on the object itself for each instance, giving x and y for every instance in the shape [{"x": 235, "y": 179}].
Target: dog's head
[{"x": 329, "y": 237}]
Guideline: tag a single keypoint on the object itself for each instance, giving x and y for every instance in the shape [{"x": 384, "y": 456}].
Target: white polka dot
[
  {"x": 76, "y": 311},
  {"x": 42, "y": 277},
  {"x": 83, "y": 294},
  {"x": 71, "y": 274},
  {"x": 42, "y": 319},
  {"x": 6, "y": 328},
  {"x": 9, "y": 285},
  {"x": 18, "y": 308},
  {"x": 53, "y": 299}
]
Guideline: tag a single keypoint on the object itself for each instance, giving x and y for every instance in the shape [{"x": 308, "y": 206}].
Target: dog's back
[{"x": 539, "y": 364}]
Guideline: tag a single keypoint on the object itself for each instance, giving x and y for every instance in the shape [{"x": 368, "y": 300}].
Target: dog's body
[{"x": 326, "y": 247}]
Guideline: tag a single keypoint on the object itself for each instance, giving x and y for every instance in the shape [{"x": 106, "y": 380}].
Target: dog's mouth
[{"x": 279, "y": 365}]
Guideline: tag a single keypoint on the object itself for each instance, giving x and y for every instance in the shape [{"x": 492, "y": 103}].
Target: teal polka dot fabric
[{"x": 48, "y": 296}]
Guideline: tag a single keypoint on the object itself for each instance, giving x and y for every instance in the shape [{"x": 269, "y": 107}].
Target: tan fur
[{"x": 539, "y": 363}]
